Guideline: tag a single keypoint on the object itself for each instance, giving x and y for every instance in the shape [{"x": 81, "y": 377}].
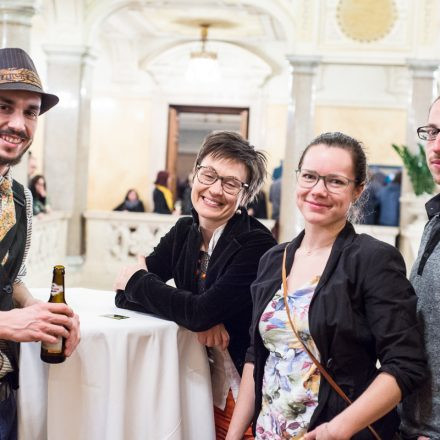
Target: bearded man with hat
[{"x": 22, "y": 317}]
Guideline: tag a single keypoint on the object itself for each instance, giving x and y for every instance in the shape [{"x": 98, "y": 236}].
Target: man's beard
[{"x": 12, "y": 162}]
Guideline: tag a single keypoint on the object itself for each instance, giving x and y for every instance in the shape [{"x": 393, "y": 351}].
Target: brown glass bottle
[{"x": 54, "y": 353}]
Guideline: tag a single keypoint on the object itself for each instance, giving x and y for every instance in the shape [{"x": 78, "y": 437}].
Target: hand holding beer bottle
[{"x": 54, "y": 353}]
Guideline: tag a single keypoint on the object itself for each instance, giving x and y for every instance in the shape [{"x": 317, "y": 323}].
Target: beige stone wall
[
  {"x": 377, "y": 128},
  {"x": 121, "y": 145},
  {"x": 119, "y": 151},
  {"x": 275, "y": 139}
]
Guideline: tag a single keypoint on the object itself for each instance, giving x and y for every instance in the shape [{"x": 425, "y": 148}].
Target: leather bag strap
[{"x": 321, "y": 369}]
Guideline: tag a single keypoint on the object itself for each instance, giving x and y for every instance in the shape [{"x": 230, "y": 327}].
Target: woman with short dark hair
[{"x": 213, "y": 258}]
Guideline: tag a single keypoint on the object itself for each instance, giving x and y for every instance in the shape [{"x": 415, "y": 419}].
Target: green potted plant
[{"x": 418, "y": 171}]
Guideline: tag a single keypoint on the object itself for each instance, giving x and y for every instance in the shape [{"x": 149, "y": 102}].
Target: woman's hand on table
[
  {"x": 127, "y": 272},
  {"x": 216, "y": 336}
]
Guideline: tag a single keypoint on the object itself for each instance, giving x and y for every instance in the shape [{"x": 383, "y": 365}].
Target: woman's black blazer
[
  {"x": 363, "y": 310},
  {"x": 232, "y": 269}
]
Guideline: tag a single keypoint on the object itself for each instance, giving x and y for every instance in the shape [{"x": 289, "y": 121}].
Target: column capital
[
  {"x": 17, "y": 11},
  {"x": 304, "y": 63},
  {"x": 422, "y": 68},
  {"x": 69, "y": 53}
]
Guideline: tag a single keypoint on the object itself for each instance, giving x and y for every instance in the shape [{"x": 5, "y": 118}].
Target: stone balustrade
[
  {"x": 114, "y": 239},
  {"x": 48, "y": 248}
]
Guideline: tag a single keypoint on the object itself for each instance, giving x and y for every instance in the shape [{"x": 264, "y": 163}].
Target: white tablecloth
[{"x": 137, "y": 378}]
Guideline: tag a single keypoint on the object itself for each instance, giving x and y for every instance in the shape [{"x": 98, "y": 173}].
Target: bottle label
[
  {"x": 55, "y": 348},
  {"x": 55, "y": 289}
]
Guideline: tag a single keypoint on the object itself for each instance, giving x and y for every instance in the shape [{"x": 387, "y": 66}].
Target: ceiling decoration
[{"x": 366, "y": 20}]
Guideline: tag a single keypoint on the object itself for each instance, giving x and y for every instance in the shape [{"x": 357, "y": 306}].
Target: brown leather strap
[{"x": 321, "y": 369}]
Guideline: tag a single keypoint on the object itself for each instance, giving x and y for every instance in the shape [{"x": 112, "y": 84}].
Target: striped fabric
[{"x": 5, "y": 366}]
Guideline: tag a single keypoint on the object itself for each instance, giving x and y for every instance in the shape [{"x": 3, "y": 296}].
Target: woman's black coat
[
  {"x": 363, "y": 309},
  {"x": 232, "y": 268}
]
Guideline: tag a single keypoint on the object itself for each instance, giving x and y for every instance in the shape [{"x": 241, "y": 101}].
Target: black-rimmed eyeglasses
[
  {"x": 428, "y": 133},
  {"x": 333, "y": 182},
  {"x": 208, "y": 176}
]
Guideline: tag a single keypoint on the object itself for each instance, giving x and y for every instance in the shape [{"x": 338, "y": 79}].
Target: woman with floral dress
[{"x": 349, "y": 303}]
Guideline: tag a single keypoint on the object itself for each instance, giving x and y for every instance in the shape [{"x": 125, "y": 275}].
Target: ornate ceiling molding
[{"x": 366, "y": 20}]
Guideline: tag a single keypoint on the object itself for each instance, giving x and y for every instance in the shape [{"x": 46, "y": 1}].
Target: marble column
[
  {"x": 67, "y": 128},
  {"x": 300, "y": 130},
  {"x": 15, "y": 22},
  {"x": 15, "y": 27}
]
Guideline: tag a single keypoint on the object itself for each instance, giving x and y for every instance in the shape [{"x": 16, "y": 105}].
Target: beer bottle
[{"x": 54, "y": 353}]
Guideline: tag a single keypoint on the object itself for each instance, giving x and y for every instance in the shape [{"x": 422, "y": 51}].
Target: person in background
[
  {"x": 389, "y": 202},
  {"x": 421, "y": 410},
  {"x": 369, "y": 202},
  {"x": 162, "y": 195},
  {"x": 22, "y": 317},
  {"x": 186, "y": 196},
  {"x": 40, "y": 204},
  {"x": 213, "y": 258},
  {"x": 275, "y": 198},
  {"x": 348, "y": 301},
  {"x": 131, "y": 202},
  {"x": 31, "y": 166},
  {"x": 258, "y": 207}
]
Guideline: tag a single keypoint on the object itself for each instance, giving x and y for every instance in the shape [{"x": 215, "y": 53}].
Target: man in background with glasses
[{"x": 421, "y": 410}]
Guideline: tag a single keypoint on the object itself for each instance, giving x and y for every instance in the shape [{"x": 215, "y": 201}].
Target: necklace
[{"x": 309, "y": 251}]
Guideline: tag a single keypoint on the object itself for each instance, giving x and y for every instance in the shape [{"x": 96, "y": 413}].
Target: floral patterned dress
[{"x": 291, "y": 379}]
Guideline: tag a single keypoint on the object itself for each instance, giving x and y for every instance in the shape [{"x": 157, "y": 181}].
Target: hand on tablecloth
[
  {"x": 127, "y": 272},
  {"x": 216, "y": 336}
]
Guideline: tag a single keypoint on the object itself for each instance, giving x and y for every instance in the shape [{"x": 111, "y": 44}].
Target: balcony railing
[
  {"x": 114, "y": 239},
  {"x": 48, "y": 248}
]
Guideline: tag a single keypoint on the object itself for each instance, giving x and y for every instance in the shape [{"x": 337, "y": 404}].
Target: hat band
[{"x": 19, "y": 75}]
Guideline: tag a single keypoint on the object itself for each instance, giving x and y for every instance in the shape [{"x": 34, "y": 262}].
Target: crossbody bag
[{"x": 321, "y": 369}]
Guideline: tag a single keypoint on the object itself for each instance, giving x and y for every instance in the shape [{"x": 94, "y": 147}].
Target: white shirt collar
[{"x": 215, "y": 238}]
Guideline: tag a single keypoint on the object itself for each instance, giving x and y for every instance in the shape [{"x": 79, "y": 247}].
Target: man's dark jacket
[
  {"x": 13, "y": 244},
  {"x": 363, "y": 309},
  {"x": 231, "y": 270}
]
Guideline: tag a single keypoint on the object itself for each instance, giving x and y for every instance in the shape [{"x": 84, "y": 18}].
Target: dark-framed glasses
[
  {"x": 428, "y": 133},
  {"x": 333, "y": 182},
  {"x": 230, "y": 185}
]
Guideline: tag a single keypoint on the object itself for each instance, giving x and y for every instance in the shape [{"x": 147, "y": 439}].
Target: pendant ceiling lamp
[{"x": 203, "y": 64}]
